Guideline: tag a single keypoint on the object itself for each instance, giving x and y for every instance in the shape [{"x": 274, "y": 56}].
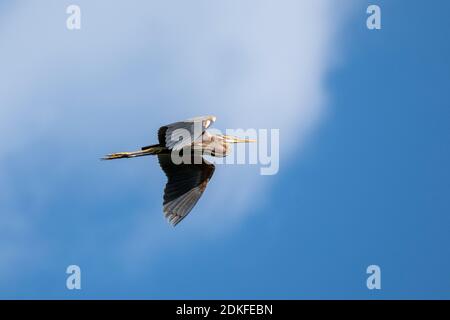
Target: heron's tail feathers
[{"x": 134, "y": 154}]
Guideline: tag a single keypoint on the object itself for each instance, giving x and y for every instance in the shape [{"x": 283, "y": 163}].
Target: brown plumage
[{"x": 186, "y": 180}]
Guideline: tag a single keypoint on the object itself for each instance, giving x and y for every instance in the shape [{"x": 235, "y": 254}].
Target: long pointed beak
[{"x": 232, "y": 139}]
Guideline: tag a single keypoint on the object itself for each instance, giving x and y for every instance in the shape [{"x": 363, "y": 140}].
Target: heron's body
[{"x": 187, "y": 180}]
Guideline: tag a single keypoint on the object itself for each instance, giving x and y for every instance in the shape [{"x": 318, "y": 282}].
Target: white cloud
[{"x": 136, "y": 65}]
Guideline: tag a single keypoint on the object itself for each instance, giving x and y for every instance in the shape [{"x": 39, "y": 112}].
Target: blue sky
[{"x": 363, "y": 118}]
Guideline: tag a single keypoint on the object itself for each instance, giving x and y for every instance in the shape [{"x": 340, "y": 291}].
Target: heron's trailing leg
[{"x": 134, "y": 154}]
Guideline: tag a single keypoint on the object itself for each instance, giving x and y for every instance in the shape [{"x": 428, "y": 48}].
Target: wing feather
[
  {"x": 185, "y": 185},
  {"x": 176, "y": 136}
]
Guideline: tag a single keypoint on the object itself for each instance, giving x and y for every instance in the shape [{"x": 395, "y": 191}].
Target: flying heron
[{"x": 186, "y": 181}]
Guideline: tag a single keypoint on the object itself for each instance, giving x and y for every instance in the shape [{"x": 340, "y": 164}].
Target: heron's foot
[{"x": 117, "y": 155}]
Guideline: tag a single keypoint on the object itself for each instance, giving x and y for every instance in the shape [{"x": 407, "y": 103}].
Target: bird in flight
[{"x": 187, "y": 179}]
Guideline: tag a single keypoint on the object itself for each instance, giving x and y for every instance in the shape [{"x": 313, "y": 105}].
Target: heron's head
[
  {"x": 219, "y": 145},
  {"x": 232, "y": 139}
]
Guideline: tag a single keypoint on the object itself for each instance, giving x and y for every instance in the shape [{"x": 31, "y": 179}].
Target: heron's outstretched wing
[
  {"x": 176, "y": 136},
  {"x": 185, "y": 185}
]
